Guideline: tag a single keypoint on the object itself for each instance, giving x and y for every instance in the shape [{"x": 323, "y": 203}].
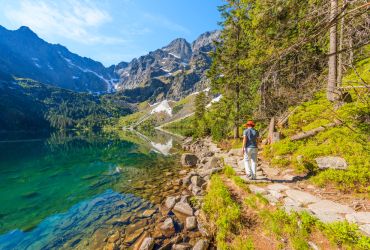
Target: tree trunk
[
  {"x": 237, "y": 112},
  {"x": 340, "y": 56},
  {"x": 332, "y": 75}
]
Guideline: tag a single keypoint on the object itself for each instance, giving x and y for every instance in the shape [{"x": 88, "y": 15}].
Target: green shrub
[{"x": 345, "y": 235}]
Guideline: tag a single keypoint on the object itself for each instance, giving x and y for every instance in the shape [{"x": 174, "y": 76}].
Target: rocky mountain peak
[
  {"x": 204, "y": 43},
  {"x": 179, "y": 48}
]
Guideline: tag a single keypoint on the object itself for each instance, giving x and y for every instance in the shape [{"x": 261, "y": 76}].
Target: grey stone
[
  {"x": 214, "y": 162},
  {"x": 365, "y": 228},
  {"x": 196, "y": 190},
  {"x": 359, "y": 217},
  {"x": 326, "y": 206},
  {"x": 189, "y": 160},
  {"x": 211, "y": 171},
  {"x": 191, "y": 223},
  {"x": 276, "y": 194},
  {"x": 277, "y": 187},
  {"x": 236, "y": 152},
  {"x": 183, "y": 208},
  {"x": 196, "y": 181},
  {"x": 329, "y": 217},
  {"x": 147, "y": 244},
  {"x": 272, "y": 200},
  {"x": 257, "y": 190},
  {"x": 168, "y": 228},
  {"x": 302, "y": 197},
  {"x": 170, "y": 202},
  {"x": 332, "y": 162},
  {"x": 313, "y": 245},
  {"x": 201, "y": 245}
]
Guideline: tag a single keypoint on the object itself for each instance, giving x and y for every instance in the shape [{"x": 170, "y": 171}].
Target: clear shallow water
[{"x": 57, "y": 191}]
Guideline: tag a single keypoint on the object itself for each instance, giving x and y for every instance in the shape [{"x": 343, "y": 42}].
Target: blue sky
[{"x": 111, "y": 31}]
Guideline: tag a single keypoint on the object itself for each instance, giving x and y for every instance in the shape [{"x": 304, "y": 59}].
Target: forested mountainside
[{"x": 27, "y": 105}]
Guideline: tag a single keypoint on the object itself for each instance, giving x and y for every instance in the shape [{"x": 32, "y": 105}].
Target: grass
[{"x": 223, "y": 213}]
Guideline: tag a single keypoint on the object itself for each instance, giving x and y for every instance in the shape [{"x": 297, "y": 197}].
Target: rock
[
  {"x": 123, "y": 220},
  {"x": 365, "y": 228},
  {"x": 329, "y": 217},
  {"x": 196, "y": 181},
  {"x": 196, "y": 190},
  {"x": 313, "y": 245},
  {"x": 168, "y": 228},
  {"x": 114, "y": 237},
  {"x": 201, "y": 245},
  {"x": 191, "y": 223},
  {"x": 131, "y": 238},
  {"x": 202, "y": 229},
  {"x": 138, "y": 225},
  {"x": 277, "y": 187},
  {"x": 184, "y": 208},
  {"x": 189, "y": 160},
  {"x": 211, "y": 171},
  {"x": 181, "y": 246},
  {"x": 214, "y": 162},
  {"x": 359, "y": 217},
  {"x": 326, "y": 206},
  {"x": 276, "y": 194},
  {"x": 257, "y": 190},
  {"x": 111, "y": 246},
  {"x": 236, "y": 152},
  {"x": 208, "y": 154},
  {"x": 182, "y": 172},
  {"x": 149, "y": 213},
  {"x": 272, "y": 200},
  {"x": 170, "y": 202},
  {"x": 147, "y": 244},
  {"x": 332, "y": 162},
  {"x": 302, "y": 197}
]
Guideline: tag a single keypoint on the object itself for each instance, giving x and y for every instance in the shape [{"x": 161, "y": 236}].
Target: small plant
[{"x": 229, "y": 171}]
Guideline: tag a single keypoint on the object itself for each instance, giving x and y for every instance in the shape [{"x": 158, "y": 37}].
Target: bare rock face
[
  {"x": 332, "y": 162},
  {"x": 189, "y": 160},
  {"x": 168, "y": 228}
]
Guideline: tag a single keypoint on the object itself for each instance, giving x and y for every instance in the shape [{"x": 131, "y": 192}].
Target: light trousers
[{"x": 250, "y": 161}]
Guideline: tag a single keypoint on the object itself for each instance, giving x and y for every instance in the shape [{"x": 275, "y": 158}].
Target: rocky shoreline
[{"x": 178, "y": 222}]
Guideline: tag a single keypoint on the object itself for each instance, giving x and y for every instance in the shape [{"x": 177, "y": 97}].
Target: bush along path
[{"x": 278, "y": 210}]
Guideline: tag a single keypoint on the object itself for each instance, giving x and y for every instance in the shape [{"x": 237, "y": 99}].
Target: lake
[{"x": 63, "y": 191}]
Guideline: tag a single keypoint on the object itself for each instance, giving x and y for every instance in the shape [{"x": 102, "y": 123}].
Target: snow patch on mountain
[
  {"x": 162, "y": 107},
  {"x": 214, "y": 100}
]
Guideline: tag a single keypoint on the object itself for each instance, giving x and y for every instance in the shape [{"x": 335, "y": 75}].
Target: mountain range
[{"x": 170, "y": 72}]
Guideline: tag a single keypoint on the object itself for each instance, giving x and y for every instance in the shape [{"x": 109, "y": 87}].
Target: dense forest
[
  {"x": 32, "y": 106},
  {"x": 276, "y": 54}
]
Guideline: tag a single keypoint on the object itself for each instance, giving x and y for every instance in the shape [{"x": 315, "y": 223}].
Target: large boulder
[
  {"x": 189, "y": 160},
  {"x": 168, "y": 228},
  {"x": 333, "y": 162},
  {"x": 184, "y": 208},
  {"x": 196, "y": 181}
]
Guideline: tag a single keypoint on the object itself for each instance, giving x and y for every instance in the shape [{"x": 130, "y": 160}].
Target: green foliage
[
  {"x": 222, "y": 210},
  {"x": 229, "y": 171},
  {"x": 241, "y": 243},
  {"x": 345, "y": 235}
]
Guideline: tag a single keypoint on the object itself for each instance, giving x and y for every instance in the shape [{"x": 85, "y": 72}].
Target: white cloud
[{"x": 74, "y": 20}]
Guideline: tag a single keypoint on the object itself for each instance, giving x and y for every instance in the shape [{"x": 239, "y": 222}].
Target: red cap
[{"x": 250, "y": 123}]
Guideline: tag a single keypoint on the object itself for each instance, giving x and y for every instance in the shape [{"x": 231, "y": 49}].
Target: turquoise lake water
[{"x": 56, "y": 190}]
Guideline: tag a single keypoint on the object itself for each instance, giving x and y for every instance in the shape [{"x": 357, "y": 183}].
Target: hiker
[{"x": 250, "y": 149}]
